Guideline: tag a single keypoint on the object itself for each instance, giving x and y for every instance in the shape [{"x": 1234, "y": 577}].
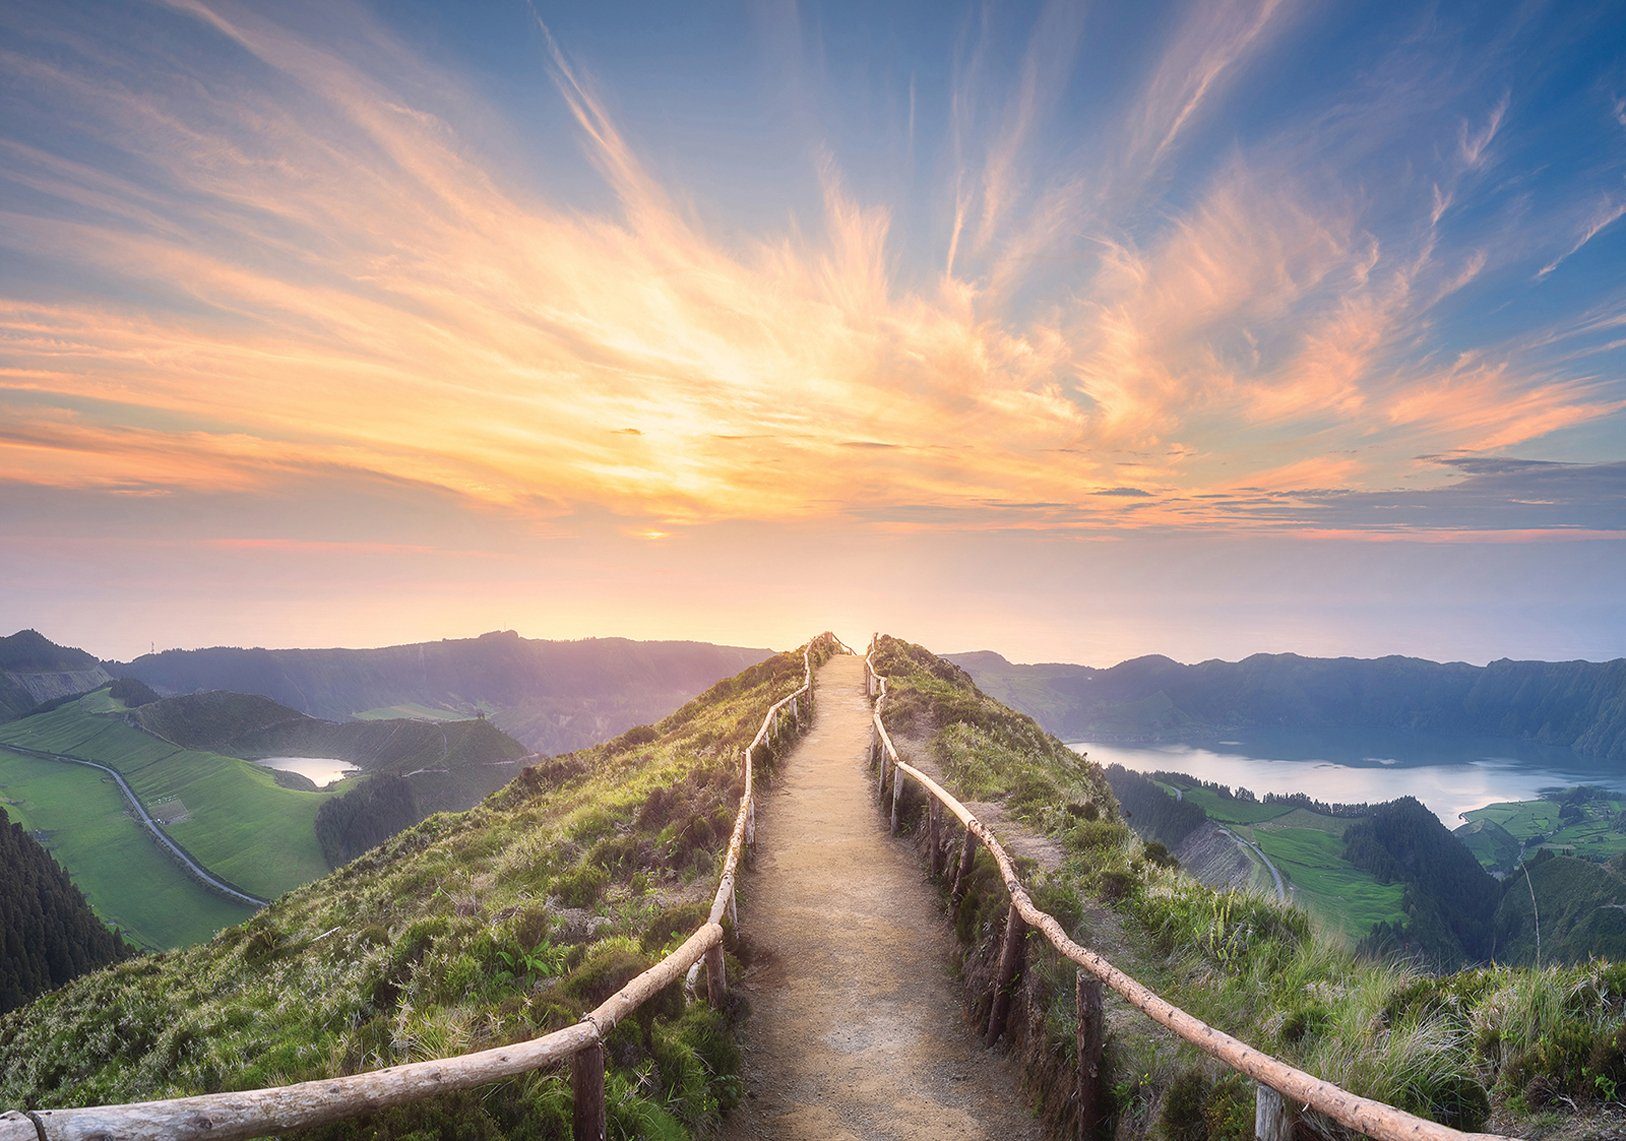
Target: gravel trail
[{"x": 856, "y": 1027}]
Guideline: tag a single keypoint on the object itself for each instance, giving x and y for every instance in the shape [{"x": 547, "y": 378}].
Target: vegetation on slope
[
  {"x": 1582, "y": 911},
  {"x": 466, "y": 931},
  {"x": 1518, "y": 1041},
  {"x": 48, "y": 933},
  {"x": 131, "y": 882},
  {"x": 1450, "y": 900},
  {"x": 34, "y": 669},
  {"x": 1585, "y": 821}
]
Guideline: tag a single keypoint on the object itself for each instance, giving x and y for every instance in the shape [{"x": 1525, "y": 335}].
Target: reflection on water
[
  {"x": 323, "y": 770},
  {"x": 1449, "y": 774}
]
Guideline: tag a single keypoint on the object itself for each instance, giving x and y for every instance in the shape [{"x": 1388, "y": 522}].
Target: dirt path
[{"x": 856, "y": 1027}]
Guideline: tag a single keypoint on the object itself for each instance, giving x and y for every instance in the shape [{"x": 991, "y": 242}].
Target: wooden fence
[
  {"x": 1280, "y": 1087},
  {"x": 253, "y": 1113}
]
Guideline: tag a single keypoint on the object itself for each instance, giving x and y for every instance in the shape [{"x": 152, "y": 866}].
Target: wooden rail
[
  {"x": 1277, "y": 1082},
  {"x": 254, "y": 1113}
]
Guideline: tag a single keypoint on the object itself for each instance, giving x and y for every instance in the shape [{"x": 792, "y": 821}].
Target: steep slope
[
  {"x": 553, "y": 696},
  {"x": 1581, "y": 905},
  {"x": 1482, "y": 1046},
  {"x": 48, "y": 933},
  {"x": 1450, "y": 900},
  {"x": 1579, "y": 704},
  {"x": 35, "y": 669},
  {"x": 467, "y": 930}
]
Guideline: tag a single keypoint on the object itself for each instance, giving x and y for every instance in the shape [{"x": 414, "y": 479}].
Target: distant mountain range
[
  {"x": 552, "y": 696},
  {"x": 1153, "y": 699}
]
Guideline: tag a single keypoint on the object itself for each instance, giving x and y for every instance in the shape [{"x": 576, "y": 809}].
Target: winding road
[
  {"x": 1281, "y": 888},
  {"x": 198, "y": 870}
]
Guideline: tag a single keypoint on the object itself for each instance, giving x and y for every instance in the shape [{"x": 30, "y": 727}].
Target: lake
[
  {"x": 322, "y": 770},
  {"x": 1449, "y": 774}
]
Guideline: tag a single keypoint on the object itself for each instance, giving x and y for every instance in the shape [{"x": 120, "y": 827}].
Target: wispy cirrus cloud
[{"x": 280, "y": 254}]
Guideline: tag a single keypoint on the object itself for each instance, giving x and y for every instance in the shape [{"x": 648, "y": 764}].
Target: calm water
[
  {"x": 323, "y": 770},
  {"x": 1449, "y": 774}
]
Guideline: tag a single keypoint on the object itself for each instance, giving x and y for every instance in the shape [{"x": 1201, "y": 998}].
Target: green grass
[
  {"x": 466, "y": 931},
  {"x": 128, "y": 879},
  {"x": 1451, "y": 1048},
  {"x": 1233, "y": 811},
  {"x": 1593, "y": 837},
  {"x": 1338, "y": 895},
  {"x": 1523, "y": 818},
  {"x": 244, "y": 827},
  {"x": 412, "y": 709}
]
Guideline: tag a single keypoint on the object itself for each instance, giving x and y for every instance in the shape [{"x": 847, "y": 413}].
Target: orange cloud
[{"x": 324, "y": 273}]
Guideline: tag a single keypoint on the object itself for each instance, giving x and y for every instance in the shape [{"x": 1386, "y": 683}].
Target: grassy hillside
[
  {"x": 81, "y": 818},
  {"x": 1497, "y": 1045},
  {"x": 465, "y": 931},
  {"x": 553, "y": 696},
  {"x": 1579, "y": 704},
  {"x": 1582, "y": 907},
  {"x": 1586, "y": 822},
  {"x": 1305, "y": 846},
  {"x": 34, "y": 669},
  {"x": 231, "y": 815}
]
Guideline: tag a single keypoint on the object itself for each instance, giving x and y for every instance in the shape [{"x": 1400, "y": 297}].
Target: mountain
[
  {"x": 34, "y": 669},
  {"x": 1449, "y": 901},
  {"x": 48, "y": 933},
  {"x": 1148, "y": 699},
  {"x": 553, "y": 696}
]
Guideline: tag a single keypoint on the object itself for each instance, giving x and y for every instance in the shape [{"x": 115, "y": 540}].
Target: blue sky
[{"x": 1071, "y": 330}]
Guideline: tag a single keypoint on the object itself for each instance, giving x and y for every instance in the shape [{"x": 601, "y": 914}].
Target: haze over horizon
[{"x": 1067, "y": 331}]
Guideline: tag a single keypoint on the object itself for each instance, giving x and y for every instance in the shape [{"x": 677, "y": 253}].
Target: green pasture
[
  {"x": 410, "y": 709},
  {"x": 1225, "y": 811},
  {"x": 242, "y": 825},
  {"x": 1594, "y": 836},
  {"x": 1339, "y": 895},
  {"x": 130, "y": 881}
]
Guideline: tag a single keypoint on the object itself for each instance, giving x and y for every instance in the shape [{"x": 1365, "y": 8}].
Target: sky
[{"x": 1076, "y": 331}]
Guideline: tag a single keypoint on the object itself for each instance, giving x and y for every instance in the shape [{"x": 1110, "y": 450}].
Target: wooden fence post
[
  {"x": 1272, "y": 1120},
  {"x": 968, "y": 853},
  {"x": 587, "y": 1092},
  {"x": 934, "y": 849},
  {"x": 897, "y": 795},
  {"x": 1010, "y": 966},
  {"x": 1091, "y": 1042},
  {"x": 716, "y": 976}
]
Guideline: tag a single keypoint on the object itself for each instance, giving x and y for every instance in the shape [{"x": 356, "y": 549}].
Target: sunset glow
[{"x": 759, "y": 320}]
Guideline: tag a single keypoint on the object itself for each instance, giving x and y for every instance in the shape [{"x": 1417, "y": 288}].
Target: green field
[
  {"x": 1308, "y": 850},
  {"x": 1226, "y": 811},
  {"x": 1339, "y": 895},
  {"x": 1595, "y": 836},
  {"x": 410, "y": 709},
  {"x": 131, "y": 882},
  {"x": 239, "y": 822}
]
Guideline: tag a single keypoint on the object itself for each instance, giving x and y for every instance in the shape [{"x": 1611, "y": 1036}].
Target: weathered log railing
[
  {"x": 1277, "y": 1082},
  {"x": 254, "y": 1113}
]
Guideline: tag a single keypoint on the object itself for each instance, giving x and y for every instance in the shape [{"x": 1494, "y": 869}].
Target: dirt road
[{"x": 856, "y": 1027}]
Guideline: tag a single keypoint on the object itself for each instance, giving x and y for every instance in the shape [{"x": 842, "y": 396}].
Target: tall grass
[{"x": 1458, "y": 1048}]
